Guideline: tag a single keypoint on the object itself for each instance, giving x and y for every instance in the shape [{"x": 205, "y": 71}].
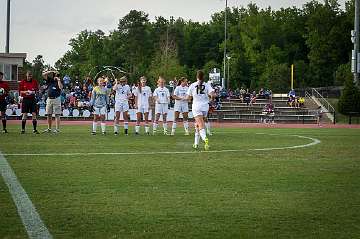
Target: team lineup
[{"x": 200, "y": 93}]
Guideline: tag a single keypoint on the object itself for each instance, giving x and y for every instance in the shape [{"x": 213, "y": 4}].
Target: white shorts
[
  {"x": 181, "y": 107},
  {"x": 100, "y": 111},
  {"x": 202, "y": 111},
  {"x": 143, "y": 109},
  {"x": 161, "y": 108},
  {"x": 121, "y": 106}
]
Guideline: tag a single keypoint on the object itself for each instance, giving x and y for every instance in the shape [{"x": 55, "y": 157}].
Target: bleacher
[{"x": 234, "y": 111}]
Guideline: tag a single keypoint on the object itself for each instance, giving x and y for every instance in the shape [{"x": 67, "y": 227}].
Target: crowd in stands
[{"x": 294, "y": 100}]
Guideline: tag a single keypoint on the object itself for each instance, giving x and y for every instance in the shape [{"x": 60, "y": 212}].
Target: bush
[{"x": 350, "y": 98}]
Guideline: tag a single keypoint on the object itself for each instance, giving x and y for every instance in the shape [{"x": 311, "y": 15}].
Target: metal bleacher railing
[{"x": 319, "y": 100}]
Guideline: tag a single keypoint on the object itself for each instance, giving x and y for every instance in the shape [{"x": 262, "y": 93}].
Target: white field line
[
  {"x": 314, "y": 142},
  {"x": 30, "y": 218}
]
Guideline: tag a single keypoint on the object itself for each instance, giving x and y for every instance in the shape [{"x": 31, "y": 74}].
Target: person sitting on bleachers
[
  {"x": 301, "y": 102},
  {"x": 247, "y": 97},
  {"x": 292, "y": 93},
  {"x": 291, "y": 101},
  {"x": 268, "y": 94},
  {"x": 253, "y": 98},
  {"x": 261, "y": 94}
]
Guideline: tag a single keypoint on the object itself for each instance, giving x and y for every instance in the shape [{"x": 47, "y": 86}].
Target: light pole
[
  {"x": 228, "y": 75},
  {"x": 7, "y": 46},
  {"x": 355, "y": 55},
  {"x": 225, "y": 50}
]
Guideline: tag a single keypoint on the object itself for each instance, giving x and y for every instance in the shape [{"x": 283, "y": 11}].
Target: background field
[{"x": 311, "y": 192}]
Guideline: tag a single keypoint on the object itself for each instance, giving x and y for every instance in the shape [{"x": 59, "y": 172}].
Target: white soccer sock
[
  {"x": 208, "y": 129},
  {"x": 165, "y": 126},
  {"x": 147, "y": 128},
  {"x": 197, "y": 137},
  {"x": 137, "y": 128},
  {"x": 203, "y": 134},
  {"x": 116, "y": 128},
  {"x": 126, "y": 125},
  {"x": 155, "y": 125},
  {"x": 186, "y": 126},
  {"x": 103, "y": 127},
  {"x": 174, "y": 126},
  {"x": 94, "y": 126}
]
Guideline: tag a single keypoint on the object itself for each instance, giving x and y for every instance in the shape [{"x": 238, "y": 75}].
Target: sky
[{"x": 43, "y": 27}]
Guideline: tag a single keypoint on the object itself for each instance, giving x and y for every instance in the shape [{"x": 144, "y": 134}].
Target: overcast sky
[{"x": 44, "y": 27}]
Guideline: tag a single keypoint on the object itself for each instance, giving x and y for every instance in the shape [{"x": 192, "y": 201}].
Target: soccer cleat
[
  {"x": 5, "y": 131},
  {"x": 126, "y": 132},
  {"x": 116, "y": 133},
  {"x": 195, "y": 146},
  {"x": 206, "y": 145},
  {"x": 187, "y": 133},
  {"x": 23, "y": 131},
  {"x": 103, "y": 133},
  {"x": 35, "y": 131},
  {"x": 47, "y": 131},
  {"x": 93, "y": 133},
  {"x": 137, "y": 133},
  {"x": 56, "y": 131},
  {"x": 209, "y": 133},
  {"x": 172, "y": 133}
]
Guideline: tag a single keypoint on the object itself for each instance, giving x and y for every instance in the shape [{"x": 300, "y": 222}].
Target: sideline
[{"x": 30, "y": 218}]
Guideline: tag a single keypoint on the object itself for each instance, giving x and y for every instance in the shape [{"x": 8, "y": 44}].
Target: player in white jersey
[
  {"x": 142, "y": 95},
  {"x": 181, "y": 105},
  {"x": 162, "y": 100},
  {"x": 122, "y": 95},
  {"x": 199, "y": 92}
]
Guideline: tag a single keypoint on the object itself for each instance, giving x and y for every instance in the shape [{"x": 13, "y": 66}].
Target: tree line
[{"x": 262, "y": 43}]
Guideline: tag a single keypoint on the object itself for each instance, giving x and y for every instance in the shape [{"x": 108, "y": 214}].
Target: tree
[{"x": 350, "y": 99}]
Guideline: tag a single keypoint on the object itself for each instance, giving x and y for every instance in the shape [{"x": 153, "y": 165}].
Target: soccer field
[{"x": 253, "y": 183}]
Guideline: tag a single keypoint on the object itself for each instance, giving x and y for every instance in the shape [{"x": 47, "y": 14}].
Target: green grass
[{"x": 311, "y": 192}]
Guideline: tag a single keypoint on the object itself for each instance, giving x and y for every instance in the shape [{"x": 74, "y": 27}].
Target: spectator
[
  {"x": 319, "y": 114},
  {"x": 247, "y": 97},
  {"x": 253, "y": 98},
  {"x": 53, "y": 102},
  {"x": 292, "y": 93},
  {"x": 261, "y": 94}
]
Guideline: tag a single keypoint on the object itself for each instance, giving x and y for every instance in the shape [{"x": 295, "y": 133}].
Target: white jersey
[
  {"x": 122, "y": 93},
  {"x": 200, "y": 95},
  {"x": 143, "y": 96},
  {"x": 162, "y": 95},
  {"x": 181, "y": 91}
]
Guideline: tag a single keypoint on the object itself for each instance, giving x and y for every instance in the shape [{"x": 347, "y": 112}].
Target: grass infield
[{"x": 311, "y": 192}]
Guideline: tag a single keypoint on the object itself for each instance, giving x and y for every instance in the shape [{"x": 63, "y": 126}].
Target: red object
[
  {"x": 26, "y": 85},
  {"x": 5, "y": 86}
]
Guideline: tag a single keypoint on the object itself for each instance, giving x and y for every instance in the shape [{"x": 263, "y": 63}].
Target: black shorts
[
  {"x": 3, "y": 105},
  {"x": 28, "y": 106}
]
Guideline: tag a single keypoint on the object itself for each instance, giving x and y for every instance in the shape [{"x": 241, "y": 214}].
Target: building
[{"x": 11, "y": 64}]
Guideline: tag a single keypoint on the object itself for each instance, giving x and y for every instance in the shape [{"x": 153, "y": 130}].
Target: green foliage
[
  {"x": 343, "y": 74},
  {"x": 350, "y": 99},
  {"x": 261, "y": 42}
]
